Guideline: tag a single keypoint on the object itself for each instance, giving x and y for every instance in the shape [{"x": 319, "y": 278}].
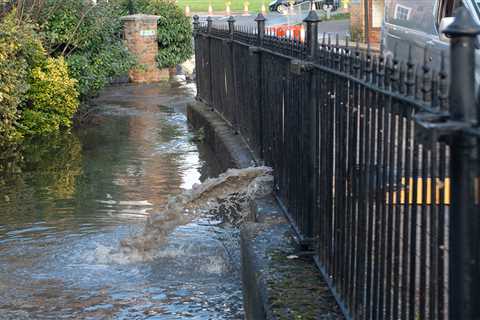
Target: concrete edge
[
  {"x": 277, "y": 284},
  {"x": 230, "y": 149},
  {"x": 267, "y": 234}
]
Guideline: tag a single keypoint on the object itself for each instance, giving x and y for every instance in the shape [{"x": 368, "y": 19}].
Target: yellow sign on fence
[{"x": 442, "y": 192}]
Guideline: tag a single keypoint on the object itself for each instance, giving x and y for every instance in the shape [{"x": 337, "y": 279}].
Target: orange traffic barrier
[{"x": 294, "y": 32}]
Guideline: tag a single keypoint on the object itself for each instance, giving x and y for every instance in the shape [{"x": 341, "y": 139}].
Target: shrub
[
  {"x": 37, "y": 94},
  {"x": 59, "y": 22},
  {"x": 95, "y": 70},
  {"x": 89, "y": 37},
  {"x": 133, "y": 6},
  {"x": 174, "y": 33},
  {"x": 20, "y": 51},
  {"x": 12, "y": 86},
  {"x": 52, "y": 99}
]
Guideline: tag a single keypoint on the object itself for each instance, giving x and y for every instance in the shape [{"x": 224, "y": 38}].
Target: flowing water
[{"x": 89, "y": 228}]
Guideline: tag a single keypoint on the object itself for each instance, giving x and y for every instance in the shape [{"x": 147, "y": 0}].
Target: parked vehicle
[
  {"x": 281, "y": 6},
  {"x": 419, "y": 25}
]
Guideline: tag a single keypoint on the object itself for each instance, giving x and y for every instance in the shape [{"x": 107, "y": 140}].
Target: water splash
[{"x": 228, "y": 196}]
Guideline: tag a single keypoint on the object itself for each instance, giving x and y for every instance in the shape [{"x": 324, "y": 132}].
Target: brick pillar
[
  {"x": 376, "y": 14},
  {"x": 140, "y": 33},
  {"x": 357, "y": 19}
]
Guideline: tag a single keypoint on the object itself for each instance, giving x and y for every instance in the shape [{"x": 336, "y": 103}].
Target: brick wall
[
  {"x": 140, "y": 34},
  {"x": 375, "y": 34},
  {"x": 357, "y": 22}
]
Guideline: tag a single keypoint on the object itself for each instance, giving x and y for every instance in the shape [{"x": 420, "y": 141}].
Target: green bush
[
  {"x": 37, "y": 94},
  {"x": 94, "y": 70},
  {"x": 174, "y": 33},
  {"x": 52, "y": 99},
  {"x": 89, "y": 37},
  {"x": 59, "y": 23},
  {"x": 132, "y": 6},
  {"x": 20, "y": 51},
  {"x": 70, "y": 25},
  {"x": 12, "y": 82}
]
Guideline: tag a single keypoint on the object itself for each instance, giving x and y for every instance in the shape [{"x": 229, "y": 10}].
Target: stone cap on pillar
[{"x": 140, "y": 17}]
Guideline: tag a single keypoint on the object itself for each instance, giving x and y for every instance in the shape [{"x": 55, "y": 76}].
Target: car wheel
[{"x": 282, "y": 9}]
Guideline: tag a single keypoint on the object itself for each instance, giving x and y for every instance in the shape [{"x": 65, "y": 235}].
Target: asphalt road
[{"x": 341, "y": 27}]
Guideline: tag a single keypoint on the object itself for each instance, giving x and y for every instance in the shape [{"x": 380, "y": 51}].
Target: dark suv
[{"x": 281, "y": 6}]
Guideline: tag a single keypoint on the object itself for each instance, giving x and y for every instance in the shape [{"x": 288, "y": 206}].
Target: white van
[{"x": 419, "y": 23}]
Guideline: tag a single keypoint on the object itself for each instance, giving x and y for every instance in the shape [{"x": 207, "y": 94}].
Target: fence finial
[
  {"x": 410, "y": 77},
  {"x": 260, "y": 19},
  {"x": 463, "y": 32},
  {"x": 196, "y": 22},
  {"x": 312, "y": 21},
  {"x": 463, "y": 25},
  {"x": 443, "y": 86},
  {"x": 312, "y": 17},
  {"x": 231, "y": 25},
  {"x": 209, "y": 24}
]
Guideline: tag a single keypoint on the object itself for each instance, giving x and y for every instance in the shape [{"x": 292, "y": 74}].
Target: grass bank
[{"x": 219, "y": 5}]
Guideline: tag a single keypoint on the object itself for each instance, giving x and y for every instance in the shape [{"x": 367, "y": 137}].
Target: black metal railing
[{"x": 376, "y": 160}]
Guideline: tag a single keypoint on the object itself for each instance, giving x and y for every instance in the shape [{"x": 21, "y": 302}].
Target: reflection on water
[{"x": 65, "y": 200}]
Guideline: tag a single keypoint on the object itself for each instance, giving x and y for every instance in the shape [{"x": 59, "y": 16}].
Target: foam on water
[{"x": 228, "y": 195}]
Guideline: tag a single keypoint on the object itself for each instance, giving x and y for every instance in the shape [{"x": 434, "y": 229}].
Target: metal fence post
[
  {"x": 260, "y": 19},
  {"x": 311, "y": 38},
  {"x": 231, "y": 26},
  {"x": 231, "y": 65},
  {"x": 210, "y": 76},
  {"x": 310, "y": 116},
  {"x": 464, "y": 267},
  {"x": 209, "y": 24},
  {"x": 196, "y": 25}
]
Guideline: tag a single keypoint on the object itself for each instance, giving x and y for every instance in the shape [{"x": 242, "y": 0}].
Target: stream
[{"x": 68, "y": 201}]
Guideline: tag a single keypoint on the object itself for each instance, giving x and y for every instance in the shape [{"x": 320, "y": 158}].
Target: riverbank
[{"x": 279, "y": 280}]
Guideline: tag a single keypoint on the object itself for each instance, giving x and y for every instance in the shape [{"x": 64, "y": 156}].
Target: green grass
[
  {"x": 340, "y": 16},
  {"x": 237, "y": 6},
  {"x": 219, "y": 5}
]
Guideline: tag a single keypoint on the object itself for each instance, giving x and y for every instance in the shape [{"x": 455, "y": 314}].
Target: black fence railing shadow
[{"x": 376, "y": 160}]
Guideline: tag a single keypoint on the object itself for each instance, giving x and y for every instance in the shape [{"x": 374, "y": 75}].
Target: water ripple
[{"x": 71, "y": 199}]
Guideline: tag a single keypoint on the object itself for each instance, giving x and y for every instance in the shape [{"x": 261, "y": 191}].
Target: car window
[
  {"x": 446, "y": 8},
  {"x": 417, "y": 15},
  {"x": 477, "y": 7}
]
